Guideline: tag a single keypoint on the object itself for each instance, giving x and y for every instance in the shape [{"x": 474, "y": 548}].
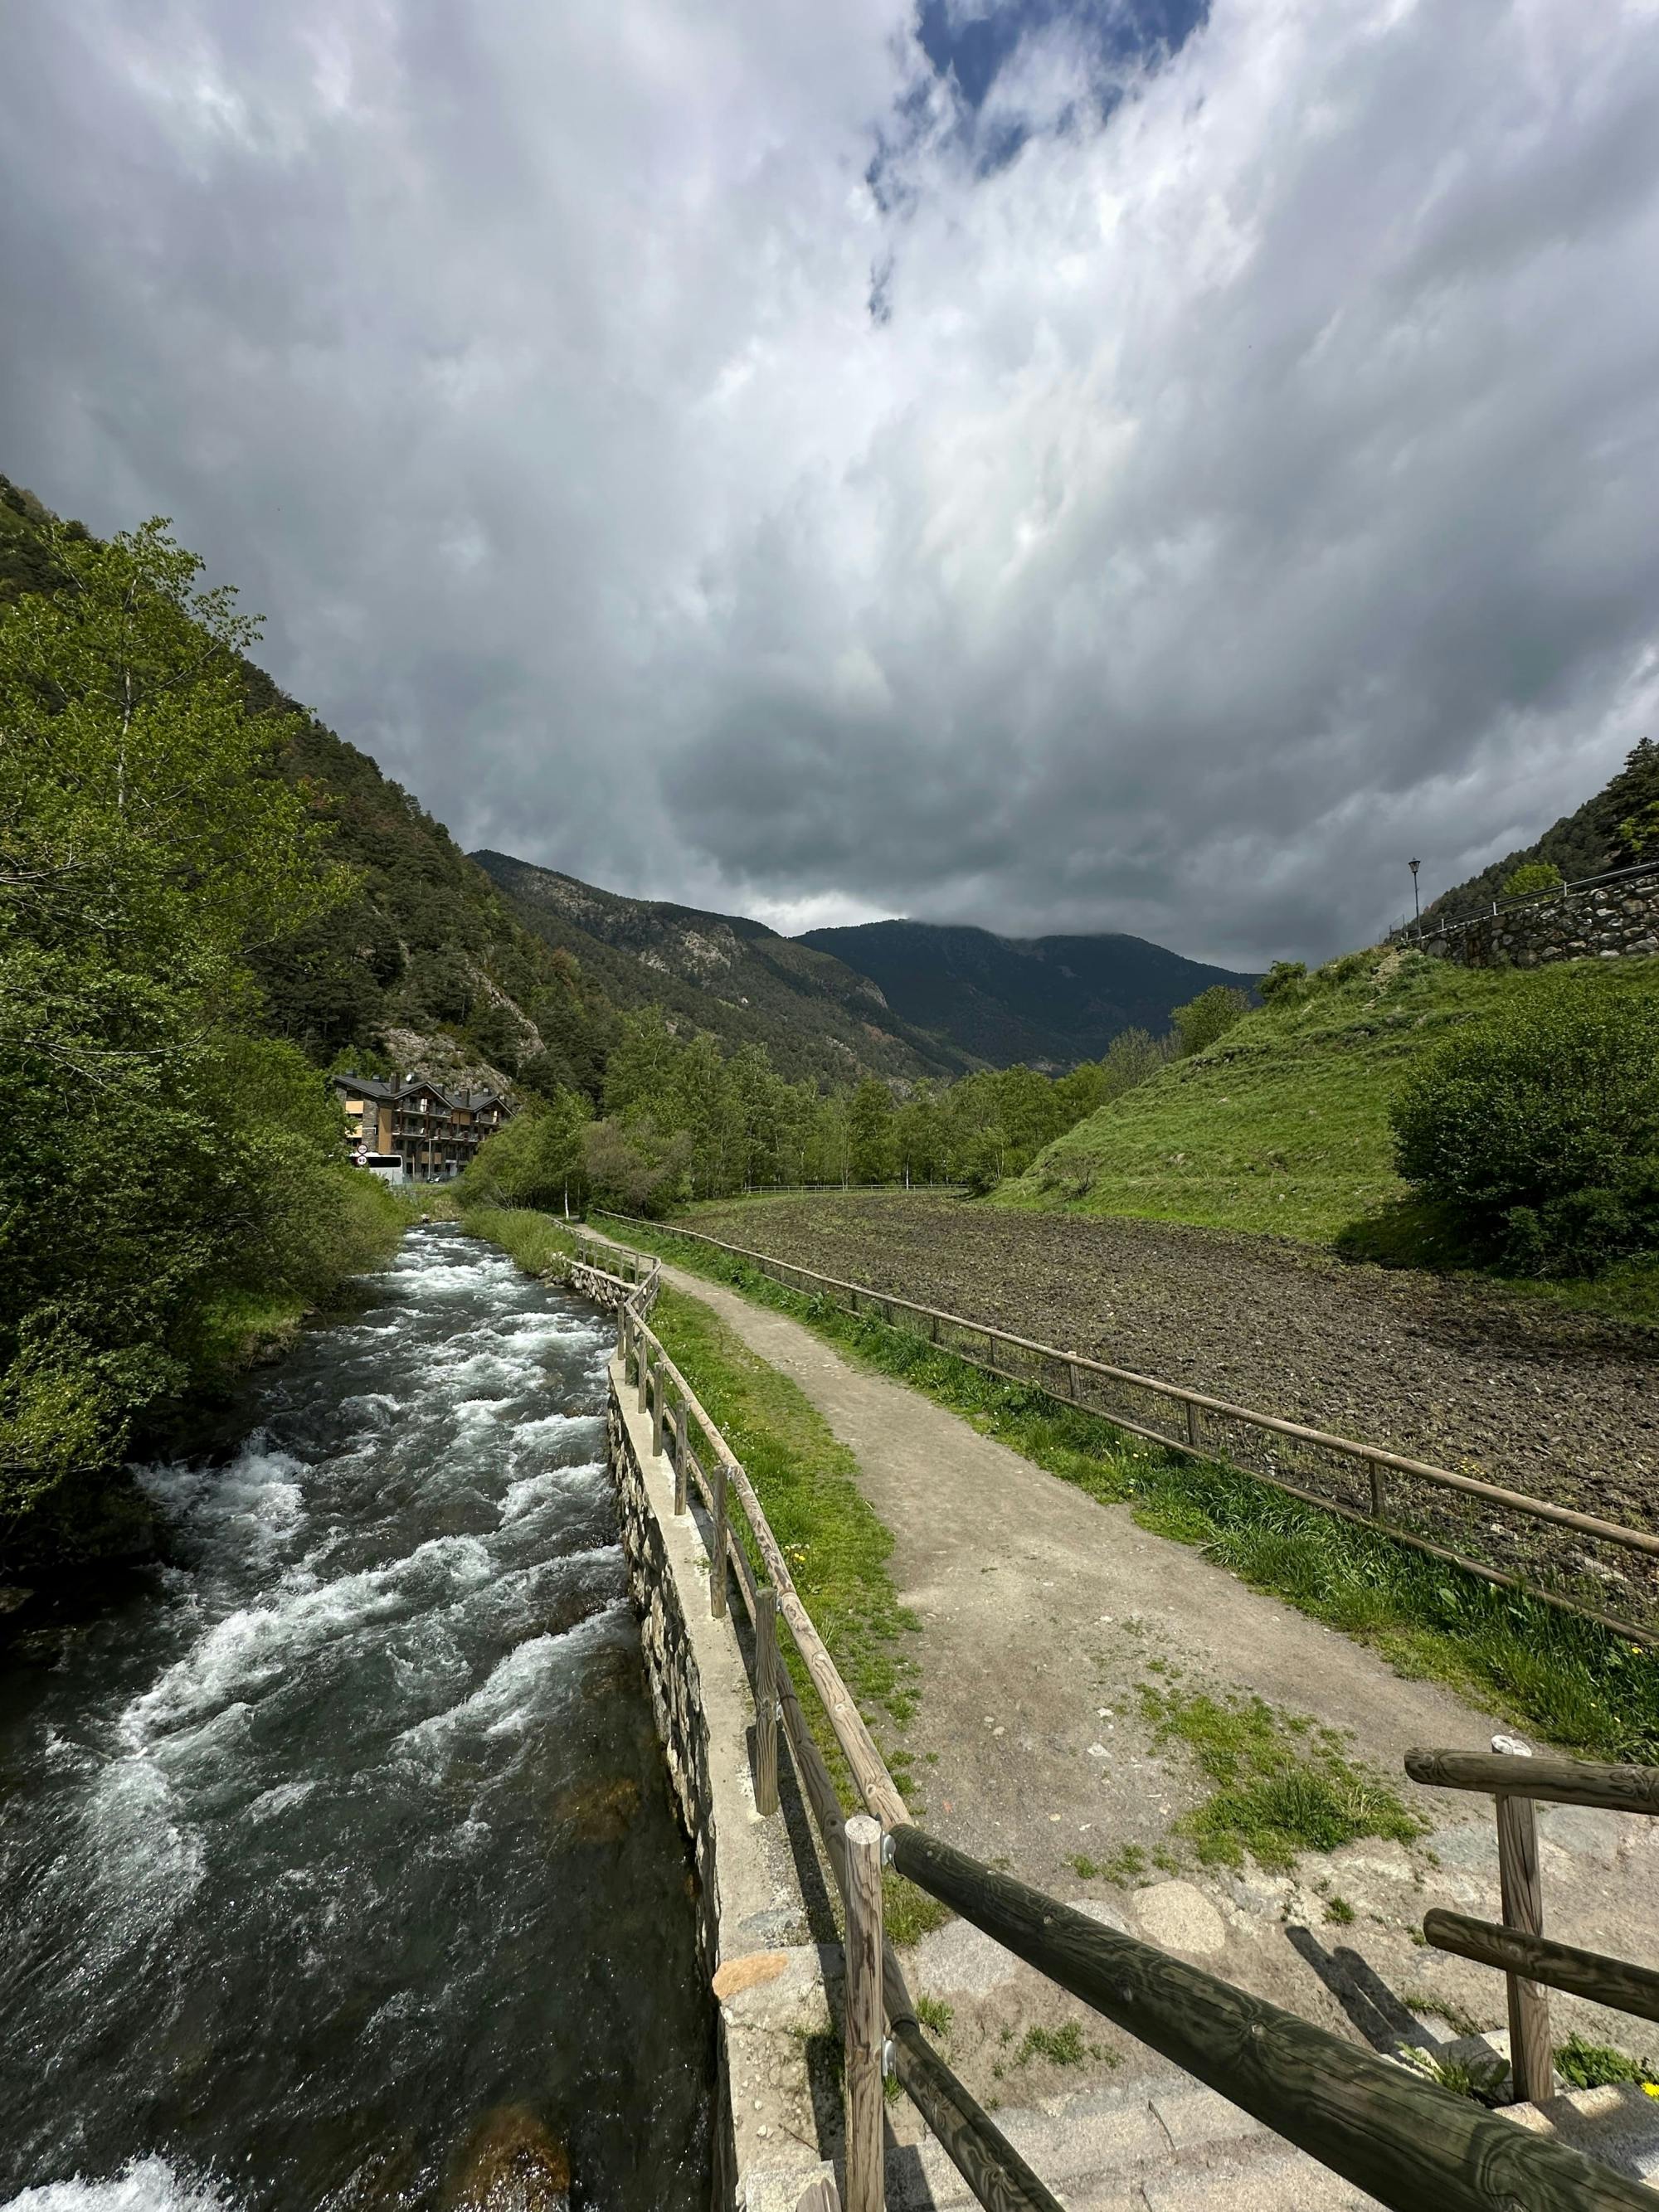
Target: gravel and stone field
[{"x": 1517, "y": 1390}]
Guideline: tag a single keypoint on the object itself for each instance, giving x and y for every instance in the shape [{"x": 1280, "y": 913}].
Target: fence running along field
[
  {"x": 1405, "y": 2141},
  {"x": 1603, "y": 1570}
]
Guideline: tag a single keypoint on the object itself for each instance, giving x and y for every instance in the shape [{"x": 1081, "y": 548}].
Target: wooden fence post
[
  {"x": 682, "y": 1450},
  {"x": 1522, "y": 1892},
  {"x": 866, "y": 2182},
  {"x": 622, "y": 1336},
  {"x": 645, "y": 1368},
  {"x": 1191, "y": 1425},
  {"x": 766, "y": 1700},
  {"x": 657, "y": 1408},
  {"x": 1377, "y": 1492},
  {"x": 717, "y": 1546}
]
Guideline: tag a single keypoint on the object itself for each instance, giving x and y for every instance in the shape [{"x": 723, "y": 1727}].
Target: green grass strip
[{"x": 1563, "y": 1677}]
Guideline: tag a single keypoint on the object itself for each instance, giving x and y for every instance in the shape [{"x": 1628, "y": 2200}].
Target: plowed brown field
[{"x": 1562, "y": 1405}]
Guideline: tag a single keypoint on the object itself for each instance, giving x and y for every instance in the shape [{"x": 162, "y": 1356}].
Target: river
[{"x": 342, "y": 1847}]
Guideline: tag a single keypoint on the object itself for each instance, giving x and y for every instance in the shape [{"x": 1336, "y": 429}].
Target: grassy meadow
[{"x": 1282, "y": 1127}]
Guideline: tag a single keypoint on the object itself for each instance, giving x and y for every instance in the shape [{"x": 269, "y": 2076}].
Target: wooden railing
[
  {"x": 1408, "y": 2141},
  {"x": 1209, "y": 1428},
  {"x": 1518, "y": 1947}
]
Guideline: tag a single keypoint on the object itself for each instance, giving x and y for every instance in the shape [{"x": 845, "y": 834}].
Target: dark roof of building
[{"x": 406, "y": 1086}]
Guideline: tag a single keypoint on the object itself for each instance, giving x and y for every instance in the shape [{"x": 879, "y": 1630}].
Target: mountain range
[
  {"x": 1049, "y": 1001},
  {"x": 900, "y": 998},
  {"x": 816, "y": 1015}
]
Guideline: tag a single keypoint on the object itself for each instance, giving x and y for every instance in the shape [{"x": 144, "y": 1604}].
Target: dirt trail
[
  {"x": 1523, "y": 1392},
  {"x": 1042, "y": 1613}
]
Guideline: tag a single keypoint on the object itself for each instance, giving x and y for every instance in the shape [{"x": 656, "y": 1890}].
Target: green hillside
[{"x": 1283, "y": 1125}]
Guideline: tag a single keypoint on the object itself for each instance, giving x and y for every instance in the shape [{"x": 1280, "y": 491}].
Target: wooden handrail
[
  {"x": 1613, "y": 1982},
  {"x": 1402, "y": 2139},
  {"x": 987, "y": 2161},
  {"x": 1518, "y": 1501},
  {"x": 875, "y": 1785},
  {"x": 1557, "y": 1781},
  {"x": 1374, "y": 1456}
]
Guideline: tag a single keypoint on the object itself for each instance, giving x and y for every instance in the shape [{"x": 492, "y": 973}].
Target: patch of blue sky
[{"x": 970, "y": 45}]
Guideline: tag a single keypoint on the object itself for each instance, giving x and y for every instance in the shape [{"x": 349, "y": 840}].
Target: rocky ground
[{"x": 1516, "y": 1390}]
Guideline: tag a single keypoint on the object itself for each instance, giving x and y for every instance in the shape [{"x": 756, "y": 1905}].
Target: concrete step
[{"x": 1145, "y": 2145}]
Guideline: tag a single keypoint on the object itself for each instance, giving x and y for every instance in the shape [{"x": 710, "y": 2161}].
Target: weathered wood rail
[
  {"x": 1518, "y": 1947},
  {"x": 1406, "y": 2141},
  {"x": 1362, "y": 1482}
]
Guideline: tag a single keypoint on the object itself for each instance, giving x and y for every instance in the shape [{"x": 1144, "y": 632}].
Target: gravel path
[
  {"x": 1039, "y": 1613},
  {"x": 1562, "y": 1405}
]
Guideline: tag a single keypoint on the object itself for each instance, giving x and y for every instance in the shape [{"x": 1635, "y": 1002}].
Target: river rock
[
  {"x": 597, "y": 1812},
  {"x": 513, "y": 2163}
]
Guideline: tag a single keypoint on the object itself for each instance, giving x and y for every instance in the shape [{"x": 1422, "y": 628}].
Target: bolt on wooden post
[
  {"x": 1522, "y": 1892},
  {"x": 766, "y": 1701},
  {"x": 865, "y": 2181}
]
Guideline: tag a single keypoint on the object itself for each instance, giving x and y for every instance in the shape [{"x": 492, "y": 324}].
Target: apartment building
[{"x": 433, "y": 1131}]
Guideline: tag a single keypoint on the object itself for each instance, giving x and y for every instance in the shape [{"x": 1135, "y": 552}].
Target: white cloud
[{"x": 1240, "y": 496}]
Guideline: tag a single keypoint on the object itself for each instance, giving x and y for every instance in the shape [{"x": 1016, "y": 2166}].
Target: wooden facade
[{"x": 433, "y": 1131}]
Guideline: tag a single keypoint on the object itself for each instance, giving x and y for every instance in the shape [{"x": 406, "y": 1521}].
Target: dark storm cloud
[{"x": 1235, "y": 498}]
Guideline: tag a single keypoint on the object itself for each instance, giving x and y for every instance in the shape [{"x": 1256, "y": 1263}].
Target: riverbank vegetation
[
  {"x": 1571, "y": 1680},
  {"x": 171, "y": 1177},
  {"x": 676, "y": 1122}
]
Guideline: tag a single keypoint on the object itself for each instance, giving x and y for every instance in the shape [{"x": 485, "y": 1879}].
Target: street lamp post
[{"x": 1417, "y": 902}]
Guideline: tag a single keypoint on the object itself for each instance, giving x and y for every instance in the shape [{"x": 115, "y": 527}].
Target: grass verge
[
  {"x": 1564, "y": 1677},
  {"x": 807, "y": 1483},
  {"x": 1280, "y": 1784}
]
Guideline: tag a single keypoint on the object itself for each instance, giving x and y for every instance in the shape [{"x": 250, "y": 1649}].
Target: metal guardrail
[
  {"x": 1207, "y": 1426},
  {"x": 1408, "y": 2141},
  {"x": 1412, "y": 930}
]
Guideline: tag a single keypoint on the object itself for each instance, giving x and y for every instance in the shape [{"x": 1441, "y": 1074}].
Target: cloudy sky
[{"x": 1056, "y": 463}]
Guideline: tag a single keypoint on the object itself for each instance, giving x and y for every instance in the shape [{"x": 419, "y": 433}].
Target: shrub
[
  {"x": 1532, "y": 877},
  {"x": 1540, "y": 1127},
  {"x": 1283, "y": 982},
  {"x": 1209, "y": 1016}
]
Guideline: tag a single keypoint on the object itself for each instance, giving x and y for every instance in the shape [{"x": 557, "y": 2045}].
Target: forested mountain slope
[
  {"x": 1051, "y": 1001},
  {"x": 816, "y": 1016},
  {"x": 1616, "y": 829},
  {"x": 427, "y": 964}
]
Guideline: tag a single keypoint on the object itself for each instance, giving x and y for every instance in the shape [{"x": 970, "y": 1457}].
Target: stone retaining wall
[
  {"x": 752, "y": 1922},
  {"x": 1611, "y": 921}
]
